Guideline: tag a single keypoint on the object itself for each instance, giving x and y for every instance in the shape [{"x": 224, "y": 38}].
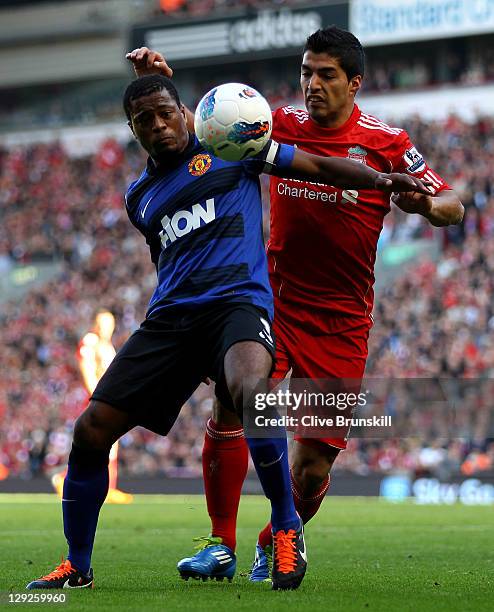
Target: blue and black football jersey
[{"x": 202, "y": 219}]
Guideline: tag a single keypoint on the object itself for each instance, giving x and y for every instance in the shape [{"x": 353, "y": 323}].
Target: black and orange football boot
[
  {"x": 289, "y": 558},
  {"x": 65, "y": 576}
]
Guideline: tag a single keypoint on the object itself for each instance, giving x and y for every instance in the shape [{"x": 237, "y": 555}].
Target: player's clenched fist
[{"x": 147, "y": 62}]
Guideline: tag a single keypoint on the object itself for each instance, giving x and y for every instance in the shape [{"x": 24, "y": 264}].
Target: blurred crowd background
[{"x": 437, "y": 320}]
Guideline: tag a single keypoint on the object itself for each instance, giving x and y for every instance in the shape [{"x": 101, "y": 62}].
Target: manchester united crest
[{"x": 200, "y": 164}]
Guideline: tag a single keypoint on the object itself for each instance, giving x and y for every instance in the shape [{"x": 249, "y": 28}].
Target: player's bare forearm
[
  {"x": 349, "y": 174},
  {"x": 443, "y": 209},
  {"x": 346, "y": 173}
]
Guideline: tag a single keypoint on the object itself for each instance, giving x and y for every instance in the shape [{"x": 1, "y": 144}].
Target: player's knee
[
  {"x": 235, "y": 389},
  {"x": 91, "y": 431},
  {"x": 246, "y": 363},
  {"x": 242, "y": 391}
]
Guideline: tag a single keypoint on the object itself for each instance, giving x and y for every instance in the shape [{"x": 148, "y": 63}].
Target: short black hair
[
  {"x": 340, "y": 44},
  {"x": 145, "y": 85}
]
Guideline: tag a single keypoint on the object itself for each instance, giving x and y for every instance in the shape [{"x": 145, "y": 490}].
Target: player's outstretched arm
[
  {"x": 348, "y": 174},
  {"x": 145, "y": 62},
  {"x": 445, "y": 208}
]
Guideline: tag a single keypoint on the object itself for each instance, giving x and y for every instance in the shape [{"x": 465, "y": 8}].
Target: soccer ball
[{"x": 233, "y": 121}]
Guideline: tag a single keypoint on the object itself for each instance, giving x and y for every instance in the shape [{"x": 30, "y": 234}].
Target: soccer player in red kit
[
  {"x": 321, "y": 253},
  {"x": 94, "y": 354},
  {"x": 321, "y": 257}
]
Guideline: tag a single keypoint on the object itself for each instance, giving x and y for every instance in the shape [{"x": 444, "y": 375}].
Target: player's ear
[
  {"x": 131, "y": 127},
  {"x": 355, "y": 84},
  {"x": 182, "y": 110}
]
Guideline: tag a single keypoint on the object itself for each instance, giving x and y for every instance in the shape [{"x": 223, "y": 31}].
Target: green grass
[{"x": 364, "y": 554}]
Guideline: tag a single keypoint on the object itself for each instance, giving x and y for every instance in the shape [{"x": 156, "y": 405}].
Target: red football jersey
[{"x": 323, "y": 239}]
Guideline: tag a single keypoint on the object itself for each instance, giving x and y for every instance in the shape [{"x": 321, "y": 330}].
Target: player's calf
[
  {"x": 100, "y": 426},
  {"x": 311, "y": 464}
]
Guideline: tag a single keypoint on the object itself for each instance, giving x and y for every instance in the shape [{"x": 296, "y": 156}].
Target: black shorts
[{"x": 165, "y": 360}]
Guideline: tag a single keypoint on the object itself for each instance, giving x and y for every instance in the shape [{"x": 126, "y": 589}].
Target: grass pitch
[{"x": 364, "y": 554}]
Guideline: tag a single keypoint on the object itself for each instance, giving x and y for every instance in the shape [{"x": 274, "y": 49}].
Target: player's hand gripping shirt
[
  {"x": 202, "y": 219},
  {"x": 323, "y": 240}
]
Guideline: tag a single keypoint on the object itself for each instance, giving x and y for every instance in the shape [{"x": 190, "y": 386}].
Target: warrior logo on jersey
[
  {"x": 414, "y": 161},
  {"x": 358, "y": 154},
  {"x": 199, "y": 164}
]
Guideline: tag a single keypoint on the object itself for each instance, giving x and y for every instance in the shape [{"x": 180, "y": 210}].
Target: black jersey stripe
[
  {"x": 202, "y": 281},
  {"x": 207, "y": 186},
  {"x": 230, "y": 226}
]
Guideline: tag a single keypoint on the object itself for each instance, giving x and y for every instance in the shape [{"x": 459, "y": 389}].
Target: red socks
[
  {"x": 265, "y": 536},
  {"x": 306, "y": 508},
  {"x": 225, "y": 459}
]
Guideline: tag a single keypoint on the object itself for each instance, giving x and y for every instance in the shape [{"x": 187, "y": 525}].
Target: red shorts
[{"x": 315, "y": 344}]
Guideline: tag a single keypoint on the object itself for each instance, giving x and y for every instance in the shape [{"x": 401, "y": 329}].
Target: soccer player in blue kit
[{"x": 210, "y": 316}]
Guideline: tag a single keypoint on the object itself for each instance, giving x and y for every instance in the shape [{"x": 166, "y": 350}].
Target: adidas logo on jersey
[{"x": 184, "y": 221}]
